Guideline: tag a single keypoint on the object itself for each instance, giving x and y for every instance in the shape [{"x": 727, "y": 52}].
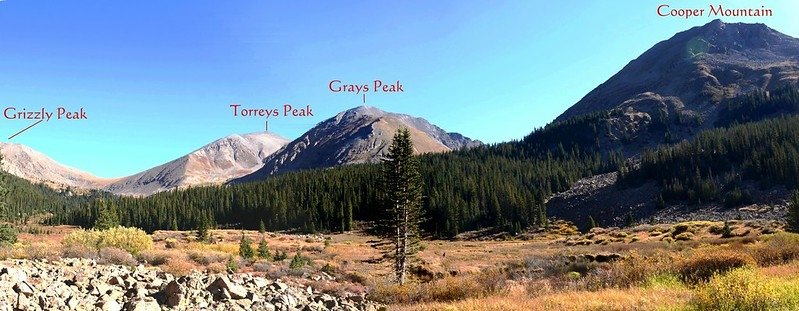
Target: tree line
[
  {"x": 500, "y": 186},
  {"x": 712, "y": 166}
]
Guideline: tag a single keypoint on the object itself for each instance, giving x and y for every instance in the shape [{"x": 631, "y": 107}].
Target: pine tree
[
  {"x": 726, "y": 231},
  {"x": 542, "y": 216},
  {"x": 107, "y": 215},
  {"x": 174, "y": 224},
  {"x": 348, "y": 217},
  {"x": 591, "y": 223},
  {"x": 263, "y": 250},
  {"x": 203, "y": 224},
  {"x": 402, "y": 190},
  {"x": 629, "y": 221},
  {"x": 298, "y": 261},
  {"x": 261, "y": 227},
  {"x": 245, "y": 248},
  {"x": 792, "y": 218},
  {"x": 8, "y": 235}
]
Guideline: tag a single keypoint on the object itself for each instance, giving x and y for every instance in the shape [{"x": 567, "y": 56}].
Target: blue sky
[{"x": 157, "y": 77}]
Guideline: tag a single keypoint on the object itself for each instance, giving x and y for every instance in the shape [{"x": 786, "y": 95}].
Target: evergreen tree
[
  {"x": 726, "y": 231},
  {"x": 298, "y": 261},
  {"x": 107, "y": 215},
  {"x": 793, "y": 213},
  {"x": 348, "y": 217},
  {"x": 629, "y": 221},
  {"x": 591, "y": 222},
  {"x": 8, "y": 235},
  {"x": 202, "y": 227},
  {"x": 402, "y": 190},
  {"x": 175, "y": 224},
  {"x": 262, "y": 227},
  {"x": 543, "y": 221},
  {"x": 245, "y": 248},
  {"x": 263, "y": 250}
]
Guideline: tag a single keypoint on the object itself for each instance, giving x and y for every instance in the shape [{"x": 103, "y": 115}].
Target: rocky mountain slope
[
  {"x": 79, "y": 284},
  {"x": 218, "y": 162},
  {"x": 700, "y": 67},
  {"x": 27, "y": 163},
  {"x": 358, "y": 135}
]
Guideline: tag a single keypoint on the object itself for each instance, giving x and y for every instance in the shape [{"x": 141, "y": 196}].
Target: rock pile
[{"x": 80, "y": 284}]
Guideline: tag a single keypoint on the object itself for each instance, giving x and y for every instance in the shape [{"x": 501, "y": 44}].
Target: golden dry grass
[
  {"x": 610, "y": 299},
  {"x": 459, "y": 268}
]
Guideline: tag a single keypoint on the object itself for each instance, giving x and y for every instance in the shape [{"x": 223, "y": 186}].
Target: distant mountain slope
[
  {"x": 218, "y": 162},
  {"x": 24, "y": 162},
  {"x": 696, "y": 69},
  {"x": 359, "y": 135}
]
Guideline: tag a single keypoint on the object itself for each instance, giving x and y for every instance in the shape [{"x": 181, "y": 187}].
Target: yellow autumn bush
[
  {"x": 133, "y": 240},
  {"x": 746, "y": 289}
]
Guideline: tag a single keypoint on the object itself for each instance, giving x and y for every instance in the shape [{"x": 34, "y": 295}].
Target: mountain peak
[
  {"x": 701, "y": 67},
  {"x": 358, "y": 135},
  {"x": 363, "y": 110}
]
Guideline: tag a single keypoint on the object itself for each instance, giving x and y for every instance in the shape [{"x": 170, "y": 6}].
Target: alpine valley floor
[{"x": 645, "y": 267}]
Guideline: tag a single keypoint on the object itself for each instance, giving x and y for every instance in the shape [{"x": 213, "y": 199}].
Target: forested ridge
[
  {"x": 758, "y": 141},
  {"x": 502, "y": 185},
  {"x": 712, "y": 166},
  {"x": 25, "y": 199}
]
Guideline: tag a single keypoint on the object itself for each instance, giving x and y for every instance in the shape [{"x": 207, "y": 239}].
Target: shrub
[
  {"x": 208, "y": 257},
  {"x": 664, "y": 281},
  {"x": 116, "y": 256},
  {"x": 705, "y": 263},
  {"x": 777, "y": 249},
  {"x": 79, "y": 251},
  {"x": 216, "y": 267},
  {"x": 261, "y": 266},
  {"x": 745, "y": 289},
  {"x": 679, "y": 228},
  {"x": 232, "y": 265},
  {"x": 39, "y": 251},
  {"x": 685, "y": 236},
  {"x": 133, "y": 240},
  {"x": 153, "y": 257},
  {"x": 280, "y": 256},
  {"x": 171, "y": 243},
  {"x": 178, "y": 266},
  {"x": 8, "y": 235},
  {"x": 442, "y": 290}
]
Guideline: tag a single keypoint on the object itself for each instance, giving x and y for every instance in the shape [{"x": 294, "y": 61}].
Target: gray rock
[
  {"x": 24, "y": 288},
  {"x": 223, "y": 285},
  {"x": 173, "y": 294}
]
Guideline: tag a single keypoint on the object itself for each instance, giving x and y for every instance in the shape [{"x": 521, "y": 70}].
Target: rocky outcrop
[{"x": 80, "y": 284}]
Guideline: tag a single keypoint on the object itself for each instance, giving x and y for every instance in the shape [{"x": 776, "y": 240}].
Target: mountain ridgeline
[
  {"x": 653, "y": 121},
  {"x": 503, "y": 186}
]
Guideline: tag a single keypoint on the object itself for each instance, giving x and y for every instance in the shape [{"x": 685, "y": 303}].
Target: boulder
[{"x": 222, "y": 286}]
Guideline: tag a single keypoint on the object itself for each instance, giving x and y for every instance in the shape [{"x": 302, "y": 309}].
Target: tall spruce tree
[
  {"x": 402, "y": 190},
  {"x": 107, "y": 215}
]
